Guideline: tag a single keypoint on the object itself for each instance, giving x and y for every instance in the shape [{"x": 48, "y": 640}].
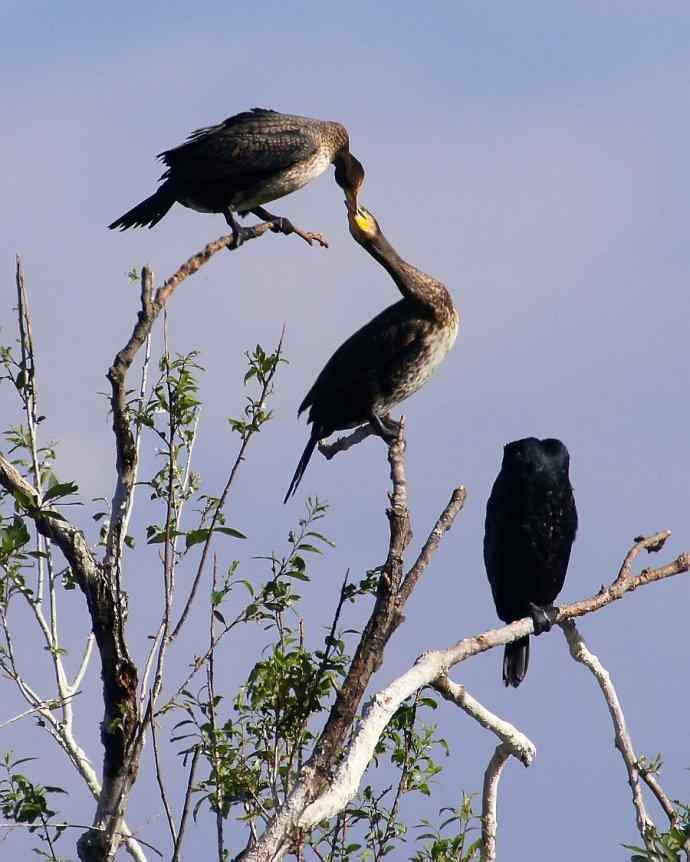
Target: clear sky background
[{"x": 534, "y": 157}]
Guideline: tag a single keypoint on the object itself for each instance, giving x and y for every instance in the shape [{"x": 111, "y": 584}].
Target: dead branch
[
  {"x": 489, "y": 801},
  {"x": 519, "y": 745},
  {"x": 342, "y": 444},
  {"x": 185, "y": 807},
  {"x": 513, "y": 742},
  {"x": 443, "y": 524},
  {"x": 580, "y": 652}
]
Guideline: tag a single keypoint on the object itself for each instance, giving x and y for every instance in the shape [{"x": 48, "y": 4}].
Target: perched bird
[
  {"x": 246, "y": 161},
  {"x": 386, "y": 360},
  {"x": 531, "y": 521}
]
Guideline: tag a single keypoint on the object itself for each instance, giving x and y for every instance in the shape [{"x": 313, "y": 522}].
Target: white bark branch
[
  {"x": 580, "y": 652},
  {"x": 489, "y": 801},
  {"x": 518, "y": 744}
]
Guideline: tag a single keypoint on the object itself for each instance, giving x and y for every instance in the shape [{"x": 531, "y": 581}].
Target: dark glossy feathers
[{"x": 531, "y": 521}]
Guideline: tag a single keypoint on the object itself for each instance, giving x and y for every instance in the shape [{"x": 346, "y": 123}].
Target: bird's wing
[
  {"x": 254, "y": 143},
  {"x": 369, "y": 352}
]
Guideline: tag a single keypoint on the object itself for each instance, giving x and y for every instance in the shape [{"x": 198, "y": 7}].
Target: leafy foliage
[{"x": 25, "y": 803}]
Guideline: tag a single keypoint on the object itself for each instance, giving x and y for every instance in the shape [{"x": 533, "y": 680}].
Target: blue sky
[{"x": 533, "y": 156}]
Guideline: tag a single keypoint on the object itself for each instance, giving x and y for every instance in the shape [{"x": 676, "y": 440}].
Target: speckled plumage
[
  {"x": 247, "y": 160},
  {"x": 531, "y": 521},
  {"x": 388, "y": 359}
]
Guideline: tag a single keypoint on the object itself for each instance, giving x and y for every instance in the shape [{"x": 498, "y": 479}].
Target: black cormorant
[
  {"x": 386, "y": 360},
  {"x": 531, "y": 521},
  {"x": 246, "y": 161}
]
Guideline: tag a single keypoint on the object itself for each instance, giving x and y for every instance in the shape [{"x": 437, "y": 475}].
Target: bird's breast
[
  {"x": 428, "y": 351},
  {"x": 283, "y": 182}
]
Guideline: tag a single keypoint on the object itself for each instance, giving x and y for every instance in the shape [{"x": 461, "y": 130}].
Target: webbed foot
[
  {"x": 541, "y": 618},
  {"x": 239, "y": 233}
]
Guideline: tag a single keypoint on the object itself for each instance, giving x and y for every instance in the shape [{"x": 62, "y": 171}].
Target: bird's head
[
  {"x": 530, "y": 457},
  {"x": 349, "y": 174},
  {"x": 363, "y": 225}
]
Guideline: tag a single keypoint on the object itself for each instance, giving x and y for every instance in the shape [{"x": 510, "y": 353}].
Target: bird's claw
[
  {"x": 540, "y": 618},
  {"x": 310, "y": 236},
  {"x": 240, "y": 236}
]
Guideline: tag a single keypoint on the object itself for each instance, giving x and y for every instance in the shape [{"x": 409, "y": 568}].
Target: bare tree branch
[
  {"x": 519, "y": 745},
  {"x": 580, "y": 652},
  {"x": 342, "y": 444},
  {"x": 489, "y": 800},
  {"x": 443, "y": 524},
  {"x": 185, "y": 807},
  {"x": 159, "y": 774}
]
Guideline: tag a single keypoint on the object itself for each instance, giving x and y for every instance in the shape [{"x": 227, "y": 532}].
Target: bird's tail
[
  {"x": 515, "y": 661},
  {"x": 302, "y": 466},
  {"x": 148, "y": 212}
]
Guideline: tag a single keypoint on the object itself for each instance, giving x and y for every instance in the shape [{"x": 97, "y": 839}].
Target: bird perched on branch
[
  {"x": 246, "y": 161},
  {"x": 531, "y": 521},
  {"x": 389, "y": 358}
]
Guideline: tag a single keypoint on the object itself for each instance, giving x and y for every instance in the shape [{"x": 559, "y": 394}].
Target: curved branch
[
  {"x": 519, "y": 745},
  {"x": 580, "y": 652}
]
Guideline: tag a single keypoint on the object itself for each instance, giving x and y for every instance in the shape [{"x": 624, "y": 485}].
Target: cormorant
[
  {"x": 386, "y": 360},
  {"x": 246, "y": 161},
  {"x": 531, "y": 521}
]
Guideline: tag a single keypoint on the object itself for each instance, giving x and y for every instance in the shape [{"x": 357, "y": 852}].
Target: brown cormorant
[
  {"x": 531, "y": 521},
  {"x": 386, "y": 360},
  {"x": 246, "y": 161}
]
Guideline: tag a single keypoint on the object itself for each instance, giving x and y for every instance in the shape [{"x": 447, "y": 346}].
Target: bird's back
[{"x": 531, "y": 523}]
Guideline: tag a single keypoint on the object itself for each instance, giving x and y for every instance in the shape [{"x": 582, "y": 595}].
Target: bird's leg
[
  {"x": 388, "y": 431},
  {"x": 239, "y": 233},
  {"x": 285, "y": 226},
  {"x": 540, "y": 618}
]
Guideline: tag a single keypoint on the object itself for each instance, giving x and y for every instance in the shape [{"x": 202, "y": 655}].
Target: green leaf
[
  {"x": 61, "y": 489},
  {"x": 194, "y": 537},
  {"x": 312, "y": 549},
  {"x": 230, "y": 532},
  {"x": 300, "y": 576},
  {"x": 24, "y": 500}
]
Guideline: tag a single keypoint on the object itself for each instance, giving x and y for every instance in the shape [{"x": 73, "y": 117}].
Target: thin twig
[
  {"x": 221, "y": 502},
  {"x": 63, "y": 825},
  {"x": 210, "y": 680},
  {"x": 185, "y": 807},
  {"x": 443, "y": 524},
  {"x": 49, "y": 704},
  {"x": 159, "y": 773}
]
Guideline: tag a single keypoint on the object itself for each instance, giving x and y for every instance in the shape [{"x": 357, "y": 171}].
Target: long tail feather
[
  {"x": 148, "y": 212},
  {"x": 515, "y": 661},
  {"x": 302, "y": 466}
]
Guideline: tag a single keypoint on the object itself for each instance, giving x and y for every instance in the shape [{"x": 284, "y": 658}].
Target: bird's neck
[{"x": 411, "y": 282}]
